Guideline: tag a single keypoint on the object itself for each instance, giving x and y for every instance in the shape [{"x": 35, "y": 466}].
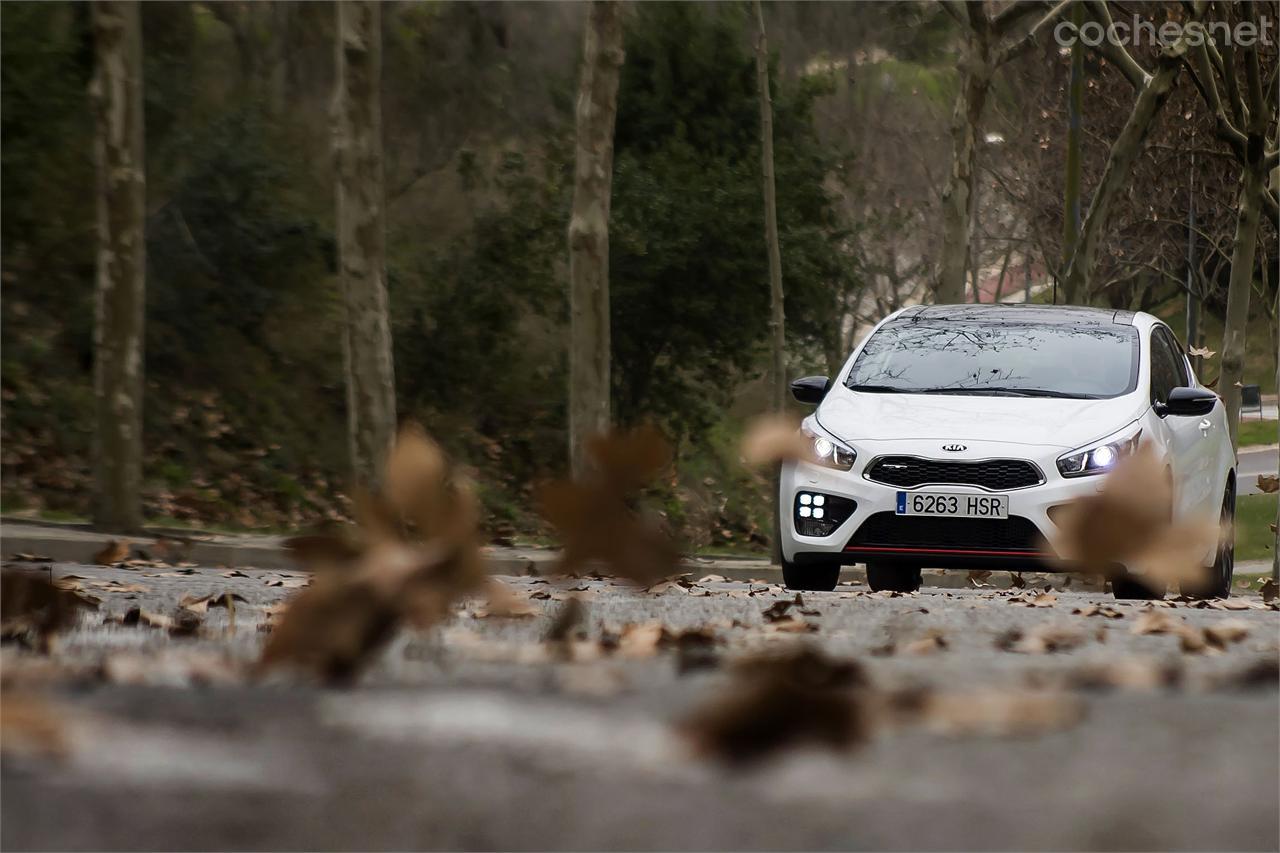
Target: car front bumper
[{"x": 875, "y": 501}]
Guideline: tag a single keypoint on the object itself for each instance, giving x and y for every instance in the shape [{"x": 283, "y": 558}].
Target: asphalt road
[
  {"x": 1254, "y": 462},
  {"x": 472, "y": 736}
]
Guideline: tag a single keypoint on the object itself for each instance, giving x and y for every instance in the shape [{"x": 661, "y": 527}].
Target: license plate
[{"x": 953, "y": 505}]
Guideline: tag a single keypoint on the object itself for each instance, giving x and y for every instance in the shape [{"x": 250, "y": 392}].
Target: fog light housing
[{"x": 817, "y": 514}]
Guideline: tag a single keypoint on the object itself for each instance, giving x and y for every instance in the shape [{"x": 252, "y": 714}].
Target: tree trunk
[
  {"x": 357, "y": 143},
  {"x": 1233, "y": 332},
  {"x": 589, "y": 229},
  {"x": 957, "y": 197},
  {"x": 1115, "y": 176},
  {"x": 121, "y": 265},
  {"x": 777, "y": 319}
]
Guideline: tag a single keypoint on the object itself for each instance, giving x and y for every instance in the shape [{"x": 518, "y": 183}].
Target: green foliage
[{"x": 688, "y": 271}]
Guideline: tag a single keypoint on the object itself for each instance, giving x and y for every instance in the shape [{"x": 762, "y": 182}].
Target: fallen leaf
[
  {"x": 778, "y": 701},
  {"x": 640, "y": 640},
  {"x": 1042, "y": 639},
  {"x": 1001, "y": 712},
  {"x": 116, "y": 551},
  {"x": 31, "y": 727},
  {"x": 930, "y": 643},
  {"x": 503, "y": 603},
  {"x": 1269, "y": 483},
  {"x": 32, "y": 609},
  {"x": 1098, "y": 610},
  {"x": 202, "y": 603}
]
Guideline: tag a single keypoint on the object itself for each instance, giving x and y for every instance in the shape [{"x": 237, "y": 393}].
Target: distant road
[{"x": 1264, "y": 460}]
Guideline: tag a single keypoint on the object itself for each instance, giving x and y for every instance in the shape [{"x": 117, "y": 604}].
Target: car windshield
[{"x": 940, "y": 356}]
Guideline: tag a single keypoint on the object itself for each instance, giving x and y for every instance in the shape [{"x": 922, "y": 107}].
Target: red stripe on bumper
[{"x": 946, "y": 551}]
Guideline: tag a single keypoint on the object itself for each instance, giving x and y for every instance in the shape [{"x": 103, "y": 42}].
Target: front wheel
[
  {"x": 810, "y": 577},
  {"x": 887, "y": 577}
]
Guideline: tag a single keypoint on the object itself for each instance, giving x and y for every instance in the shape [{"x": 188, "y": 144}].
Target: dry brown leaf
[
  {"x": 115, "y": 551},
  {"x": 1124, "y": 674},
  {"x": 340, "y": 621},
  {"x": 791, "y": 625},
  {"x": 1202, "y": 352},
  {"x": 773, "y": 438},
  {"x": 640, "y": 640},
  {"x": 1269, "y": 483},
  {"x": 1001, "y": 712},
  {"x": 593, "y": 515},
  {"x": 32, "y": 609},
  {"x": 1155, "y": 622},
  {"x": 31, "y": 727},
  {"x": 778, "y": 701},
  {"x": 1098, "y": 610},
  {"x": 1042, "y": 639},
  {"x": 931, "y": 642},
  {"x": 504, "y": 603},
  {"x": 1129, "y": 514},
  {"x": 202, "y": 603}
]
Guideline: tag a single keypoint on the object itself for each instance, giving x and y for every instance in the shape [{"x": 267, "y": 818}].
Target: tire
[
  {"x": 1218, "y": 584},
  {"x": 812, "y": 577},
  {"x": 887, "y": 577},
  {"x": 1132, "y": 588}
]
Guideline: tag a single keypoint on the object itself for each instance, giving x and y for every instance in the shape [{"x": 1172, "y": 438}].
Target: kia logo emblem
[{"x": 954, "y": 448}]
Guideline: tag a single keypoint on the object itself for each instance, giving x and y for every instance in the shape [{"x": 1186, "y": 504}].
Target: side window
[
  {"x": 1179, "y": 361},
  {"x": 1164, "y": 370}
]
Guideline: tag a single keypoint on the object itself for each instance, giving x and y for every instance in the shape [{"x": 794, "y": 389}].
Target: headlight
[
  {"x": 1099, "y": 458},
  {"x": 826, "y": 451}
]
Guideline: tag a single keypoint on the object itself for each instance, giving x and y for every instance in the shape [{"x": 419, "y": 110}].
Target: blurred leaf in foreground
[
  {"x": 1129, "y": 523},
  {"x": 779, "y": 700},
  {"x": 418, "y": 552},
  {"x": 594, "y": 516}
]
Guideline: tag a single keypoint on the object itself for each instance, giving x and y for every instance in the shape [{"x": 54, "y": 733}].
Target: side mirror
[
  {"x": 1188, "y": 401},
  {"x": 810, "y": 389}
]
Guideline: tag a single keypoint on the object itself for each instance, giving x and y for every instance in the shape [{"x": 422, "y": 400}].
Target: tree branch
[
  {"x": 1114, "y": 52},
  {"x": 1019, "y": 45},
  {"x": 1008, "y": 17},
  {"x": 1199, "y": 63}
]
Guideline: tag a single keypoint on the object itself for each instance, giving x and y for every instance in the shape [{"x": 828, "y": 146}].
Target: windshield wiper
[
  {"x": 880, "y": 389},
  {"x": 1045, "y": 392}
]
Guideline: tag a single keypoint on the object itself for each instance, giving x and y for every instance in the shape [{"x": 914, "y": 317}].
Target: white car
[{"x": 953, "y": 432}]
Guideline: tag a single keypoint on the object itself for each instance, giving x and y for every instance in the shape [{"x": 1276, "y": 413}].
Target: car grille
[
  {"x": 995, "y": 474},
  {"x": 889, "y": 530}
]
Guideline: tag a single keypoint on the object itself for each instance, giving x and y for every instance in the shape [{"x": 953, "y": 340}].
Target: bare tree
[
  {"x": 990, "y": 41},
  {"x": 1153, "y": 90},
  {"x": 357, "y": 146},
  {"x": 1245, "y": 121},
  {"x": 589, "y": 344},
  {"x": 777, "y": 316},
  {"x": 121, "y": 264}
]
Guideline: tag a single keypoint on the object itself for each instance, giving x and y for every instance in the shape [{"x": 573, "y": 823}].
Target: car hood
[{"x": 1042, "y": 421}]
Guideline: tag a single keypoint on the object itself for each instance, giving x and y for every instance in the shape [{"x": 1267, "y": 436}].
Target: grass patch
[
  {"x": 1254, "y": 516},
  {"x": 1253, "y": 432}
]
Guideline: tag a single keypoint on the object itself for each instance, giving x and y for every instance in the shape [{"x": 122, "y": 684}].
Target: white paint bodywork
[{"x": 1197, "y": 449}]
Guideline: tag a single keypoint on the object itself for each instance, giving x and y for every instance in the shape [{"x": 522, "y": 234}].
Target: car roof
[{"x": 1067, "y": 315}]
